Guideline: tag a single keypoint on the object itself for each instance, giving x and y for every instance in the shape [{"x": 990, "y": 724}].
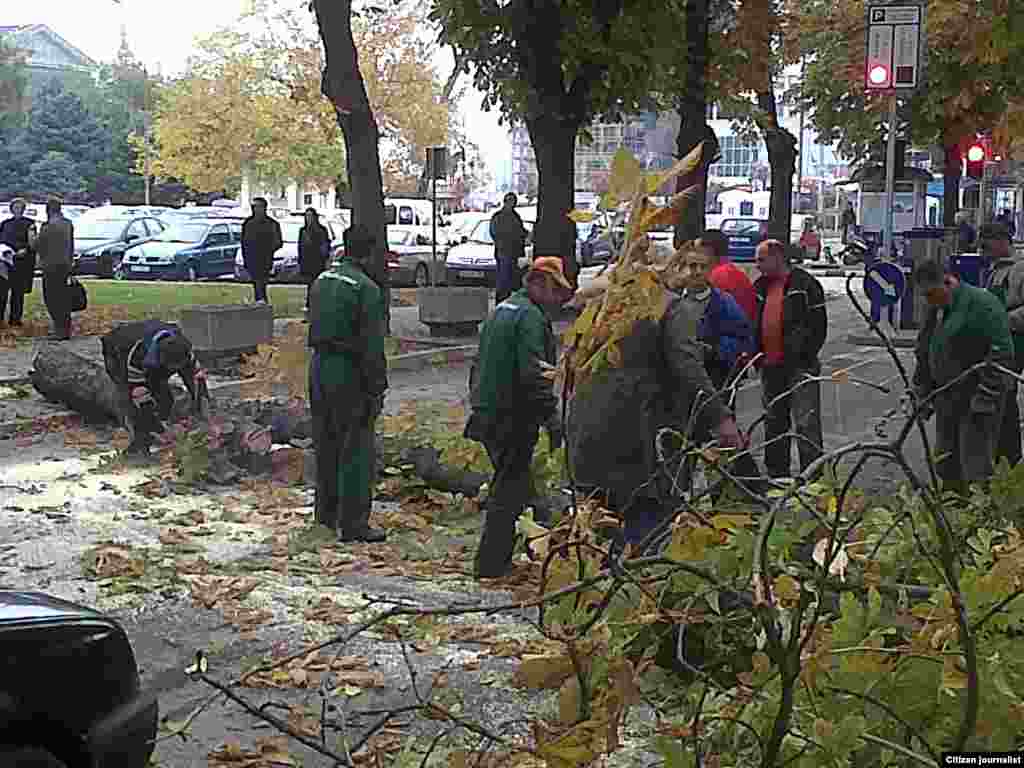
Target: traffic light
[{"x": 976, "y": 160}]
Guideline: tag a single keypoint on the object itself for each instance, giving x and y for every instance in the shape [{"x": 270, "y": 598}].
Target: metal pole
[
  {"x": 800, "y": 159},
  {"x": 981, "y": 199},
  {"x": 433, "y": 219},
  {"x": 146, "y": 144},
  {"x": 890, "y": 180}
]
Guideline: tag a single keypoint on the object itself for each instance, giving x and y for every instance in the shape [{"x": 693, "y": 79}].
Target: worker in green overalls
[
  {"x": 1006, "y": 280},
  {"x": 347, "y": 381}
]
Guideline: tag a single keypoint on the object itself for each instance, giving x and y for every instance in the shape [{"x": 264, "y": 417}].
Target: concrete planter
[
  {"x": 453, "y": 311},
  {"x": 218, "y": 331}
]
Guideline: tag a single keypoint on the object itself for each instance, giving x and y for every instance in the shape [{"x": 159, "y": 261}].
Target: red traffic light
[
  {"x": 976, "y": 153},
  {"x": 878, "y": 75}
]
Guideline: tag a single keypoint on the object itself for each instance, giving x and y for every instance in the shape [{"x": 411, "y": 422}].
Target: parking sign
[{"x": 893, "y": 60}]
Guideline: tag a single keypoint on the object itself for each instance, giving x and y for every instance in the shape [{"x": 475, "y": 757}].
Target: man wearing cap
[
  {"x": 19, "y": 234},
  {"x": 140, "y": 358},
  {"x": 511, "y": 399},
  {"x": 1006, "y": 281}
]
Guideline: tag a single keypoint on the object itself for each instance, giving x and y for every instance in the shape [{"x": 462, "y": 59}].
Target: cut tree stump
[{"x": 62, "y": 376}]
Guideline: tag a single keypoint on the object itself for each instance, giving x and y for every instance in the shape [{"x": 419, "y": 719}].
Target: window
[
  {"x": 405, "y": 215},
  {"x": 154, "y": 226},
  {"x": 236, "y": 232},
  {"x": 738, "y": 158},
  {"x": 218, "y": 236},
  {"x": 307, "y": 199},
  {"x": 137, "y": 230},
  {"x": 746, "y": 208}
]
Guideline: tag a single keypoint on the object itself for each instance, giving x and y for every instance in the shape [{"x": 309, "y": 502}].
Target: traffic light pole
[{"x": 890, "y": 181}]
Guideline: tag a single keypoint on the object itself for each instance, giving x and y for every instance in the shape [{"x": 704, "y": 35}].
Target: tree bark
[
  {"x": 951, "y": 184},
  {"x": 343, "y": 84},
  {"x": 554, "y": 142},
  {"x": 692, "y": 105},
  {"x": 62, "y": 376},
  {"x": 782, "y": 160}
]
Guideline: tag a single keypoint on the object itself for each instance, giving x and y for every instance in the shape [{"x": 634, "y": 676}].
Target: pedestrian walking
[
  {"x": 19, "y": 234},
  {"x": 55, "y": 248},
  {"x": 140, "y": 358},
  {"x": 314, "y": 250},
  {"x": 509, "y": 236},
  {"x": 848, "y": 222},
  {"x": 347, "y": 381},
  {"x": 616, "y": 415},
  {"x": 965, "y": 234},
  {"x": 966, "y": 325},
  {"x": 511, "y": 399},
  {"x": 790, "y": 329},
  {"x": 261, "y": 239},
  {"x": 1006, "y": 218},
  {"x": 726, "y": 276},
  {"x": 1006, "y": 282}
]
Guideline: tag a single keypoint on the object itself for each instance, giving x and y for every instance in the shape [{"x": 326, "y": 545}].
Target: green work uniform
[
  {"x": 347, "y": 380},
  {"x": 1006, "y": 282},
  {"x": 968, "y": 415},
  {"x": 511, "y": 400}
]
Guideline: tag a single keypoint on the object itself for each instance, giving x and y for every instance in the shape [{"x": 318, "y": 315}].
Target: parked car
[
  {"x": 100, "y": 244},
  {"x": 189, "y": 250},
  {"x": 410, "y": 257},
  {"x": 70, "y": 695},
  {"x": 286, "y": 260},
  {"x": 744, "y": 236},
  {"x": 473, "y": 261},
  {"x": 460, "y": 225}
]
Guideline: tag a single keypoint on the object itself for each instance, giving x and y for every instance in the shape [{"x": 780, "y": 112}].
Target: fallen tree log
[{"x": 62, "y": 376}]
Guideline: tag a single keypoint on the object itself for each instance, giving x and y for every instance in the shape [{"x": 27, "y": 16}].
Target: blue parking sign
[{"x": 884, "y": 284}]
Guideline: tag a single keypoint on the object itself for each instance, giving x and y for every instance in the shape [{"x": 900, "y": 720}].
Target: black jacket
[
  {"x": 804, "y": 319},
  {"x": 15, "y": 233},
  {"x": 509, "y": 235},
  {"x": 261, "y": 239},
  {"x": 314, "y": 245},
  {"x": 125, "y": 350}
]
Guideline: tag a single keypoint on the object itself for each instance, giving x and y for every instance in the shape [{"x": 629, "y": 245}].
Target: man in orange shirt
[
  {"x": 790, "y": 328},
  {"x": 726, "y": 276}
]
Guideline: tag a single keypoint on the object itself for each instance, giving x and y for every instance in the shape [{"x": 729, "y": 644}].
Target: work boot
[{"x": 366, "y": 535}]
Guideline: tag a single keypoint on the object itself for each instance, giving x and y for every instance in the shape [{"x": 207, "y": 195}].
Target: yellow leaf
[
  {"x": 687, "y": 165},
  {"x": 786, "y": 589},
  {"x": 537, "y": 536},
  {"x": 576, "y": 749},
  {"x": 953, "y": 674},
  {"x": 542, "y": 671},
  {"x": 689, "y": 544},
  {"x": 582, "y": 217},
  {"x": 626, "y": 176},
  {"x": 569, "y": 701},
  {"x": 659, "y": 217},
  {"x": 730, "y": 522}
]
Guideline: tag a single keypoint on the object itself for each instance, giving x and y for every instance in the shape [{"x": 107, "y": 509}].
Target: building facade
[{"x": 47, "y": 54}]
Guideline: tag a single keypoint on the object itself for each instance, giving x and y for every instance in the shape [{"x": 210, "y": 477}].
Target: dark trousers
[
  {"x": 4, "y": 290},
  {"x": 508, "y": 280},
  {"x": 343, "y": 437},
  {"x": 1009, "y": 432},
  {"x": 511, "y": 454},
  {"x": 17, "y": 300},
  {"x": 966, "y": 442},
  {"x": 55, "y": 296},
  {"x": 802, "y": 407},
  {"x": 145, "y": 417},
  {"x": 259, "y": 288}
]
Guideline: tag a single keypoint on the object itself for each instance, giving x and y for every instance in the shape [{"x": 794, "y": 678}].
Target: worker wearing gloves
[
  {"x": 140, "y": 358},
  {"x": 511, "y": 399},
  {"x": 347, "y": 381}
]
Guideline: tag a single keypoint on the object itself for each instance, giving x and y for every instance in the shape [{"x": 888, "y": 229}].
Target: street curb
[
  {"x": 900, "y": 342},
  {"x": 431, "y": 357}
]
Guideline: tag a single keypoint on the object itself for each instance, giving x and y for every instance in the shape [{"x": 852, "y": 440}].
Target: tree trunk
[
  {"x": 782, "y": 160},
  {"x": 554, "y": 144},
  {"x": 62, "y": 376},
  {"x": 691, "y": 102},
  {"x": 343, "y": 84},
  {"x": 951, "y": 184}
]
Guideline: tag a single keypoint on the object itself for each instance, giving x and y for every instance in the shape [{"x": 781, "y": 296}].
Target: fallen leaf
[
  {"x": 173, "y": 537},
  {"x": 542, "y": 671},
  {"x": 269, "y": 753},
  {"x": 110, "y": 560},
  {"x": 838, "y": 565},
  {"x": 210, "y": 590}
]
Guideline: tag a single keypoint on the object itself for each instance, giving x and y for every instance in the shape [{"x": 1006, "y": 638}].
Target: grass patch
[{"x": 128, "y": 300}]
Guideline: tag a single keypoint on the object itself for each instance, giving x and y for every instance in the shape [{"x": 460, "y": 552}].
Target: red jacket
[{"x": 731, "y": 279}]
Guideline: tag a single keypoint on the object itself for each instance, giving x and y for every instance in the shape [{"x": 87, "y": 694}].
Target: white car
[
  {"x": 410, "y": 257},
  {"x": 473, "y": 263}
]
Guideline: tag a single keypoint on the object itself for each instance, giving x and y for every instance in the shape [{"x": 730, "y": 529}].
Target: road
[{"x": 59, "y": 500}]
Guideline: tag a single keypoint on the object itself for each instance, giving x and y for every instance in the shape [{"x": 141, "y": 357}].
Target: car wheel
[
  {"x": 191, "y": 273},
  {"x": 422, "y": 277},
  {"x": 28, "y": 757},
  {"x": 119, "y": 273}
]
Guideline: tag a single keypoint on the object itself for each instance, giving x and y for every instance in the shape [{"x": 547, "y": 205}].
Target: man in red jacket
[{"x": 726, "y": 276}]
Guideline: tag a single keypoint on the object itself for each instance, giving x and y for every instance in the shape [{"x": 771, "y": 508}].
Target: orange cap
[{"x": 551, "y": 265}]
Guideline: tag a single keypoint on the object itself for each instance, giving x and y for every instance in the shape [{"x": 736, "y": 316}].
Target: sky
[{"x": 161, "y": 35}]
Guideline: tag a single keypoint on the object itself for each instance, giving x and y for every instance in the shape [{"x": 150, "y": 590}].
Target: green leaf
[{"x": 874, "y": 606}]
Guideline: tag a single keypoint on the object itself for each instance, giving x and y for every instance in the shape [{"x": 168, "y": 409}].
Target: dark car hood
[{"x": 16, "y": 605}]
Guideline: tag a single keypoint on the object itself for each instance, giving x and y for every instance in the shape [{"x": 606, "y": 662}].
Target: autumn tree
[
  {"x": 555, "y": 66},
  {"x": 13, "y": 82}
]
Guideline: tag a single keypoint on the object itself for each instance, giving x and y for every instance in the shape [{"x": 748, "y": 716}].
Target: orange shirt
[{"x": 771, "y": 323}]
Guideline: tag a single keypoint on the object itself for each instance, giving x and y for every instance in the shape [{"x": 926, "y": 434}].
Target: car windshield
[
  {"x": 99, "y": 229},
  {"x": 290, "y": 231},
  {"x": 184, "y": 232},
  {"x": 482, "y": 233},
  {"x": 749, "y": 227}
]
